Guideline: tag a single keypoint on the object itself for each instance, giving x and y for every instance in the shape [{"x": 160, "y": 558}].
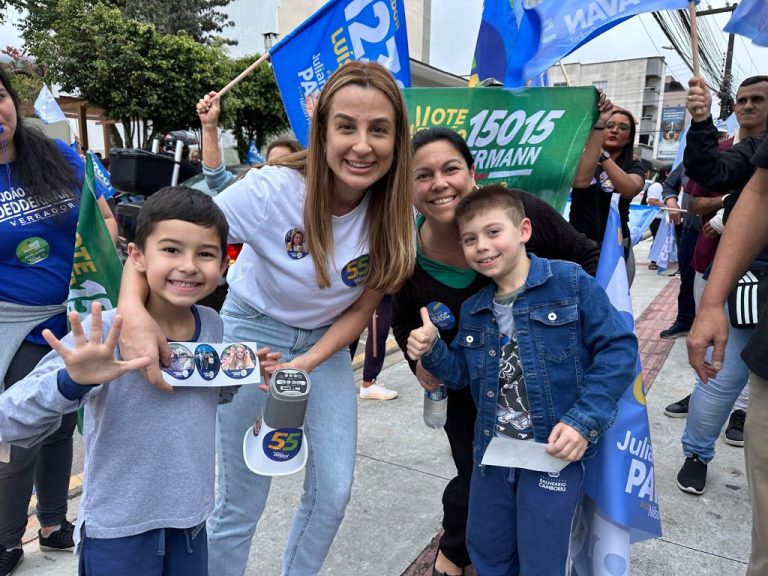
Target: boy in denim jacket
[{"x": 547, "y": 357}]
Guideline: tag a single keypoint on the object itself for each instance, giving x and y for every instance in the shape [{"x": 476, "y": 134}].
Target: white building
[{"x": 637, "y": 85}]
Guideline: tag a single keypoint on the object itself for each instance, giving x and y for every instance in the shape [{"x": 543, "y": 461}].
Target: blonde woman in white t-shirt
[{"x": 350, "y": 195}]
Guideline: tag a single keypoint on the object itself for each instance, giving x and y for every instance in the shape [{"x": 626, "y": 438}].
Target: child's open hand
[
  {"x": 92, "y": 362},
  {"x": 566, "y": 443},
  {"x": 421, "y": 340}
]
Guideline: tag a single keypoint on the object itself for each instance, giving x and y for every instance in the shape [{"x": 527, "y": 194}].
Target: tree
[
  {"x": 200, "y": 19},
  {"x": 255, "y": 109},
  {"x": 147, "y": 80}
]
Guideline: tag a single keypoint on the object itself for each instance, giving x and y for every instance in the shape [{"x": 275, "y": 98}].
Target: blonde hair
[{"x": 390, "y": 214}]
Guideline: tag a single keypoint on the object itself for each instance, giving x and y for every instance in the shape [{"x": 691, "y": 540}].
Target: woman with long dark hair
[
  {"x": 40, "y": 182},
  {"x": 607, "y": 166}
]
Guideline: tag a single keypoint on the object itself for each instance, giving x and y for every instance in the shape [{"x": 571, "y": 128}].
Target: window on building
[{"x": 560, "y": 84}]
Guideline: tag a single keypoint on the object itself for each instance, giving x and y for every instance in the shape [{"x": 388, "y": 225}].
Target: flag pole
[
  {"x": 263, "y": 58},
  {"x": 694, "y": 38}
]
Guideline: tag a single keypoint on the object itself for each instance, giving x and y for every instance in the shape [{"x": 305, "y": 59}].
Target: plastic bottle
[{"x": 435, "y": 407}]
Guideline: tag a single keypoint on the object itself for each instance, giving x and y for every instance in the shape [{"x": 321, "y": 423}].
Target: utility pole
[{"x": 726, "y": 100}]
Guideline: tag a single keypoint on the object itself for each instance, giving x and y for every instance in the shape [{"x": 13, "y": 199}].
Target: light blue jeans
[
  {"x": 331, "y": 430},
  {"x": 711, "y": 403}
]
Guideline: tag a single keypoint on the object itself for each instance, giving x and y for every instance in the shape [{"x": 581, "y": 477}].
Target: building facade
[{"x": 639, "y": 85}]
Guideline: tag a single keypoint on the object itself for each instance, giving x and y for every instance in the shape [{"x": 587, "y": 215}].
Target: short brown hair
[{"x": 492, "y": 197}]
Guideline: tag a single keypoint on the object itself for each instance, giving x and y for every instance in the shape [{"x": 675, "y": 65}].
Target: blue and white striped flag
[
  {"x": 620, "y": 505},
  {"x": 46, "y": 107},
  {"x": 640, "y": 218},
  {"x": 664, "y": 247},
  {"x": 750, "y": 19}
]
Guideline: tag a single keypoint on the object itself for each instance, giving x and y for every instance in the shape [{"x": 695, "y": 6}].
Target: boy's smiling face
[
  {"x": 182, "y": 261},
  {"x": 494, "y": 246}
]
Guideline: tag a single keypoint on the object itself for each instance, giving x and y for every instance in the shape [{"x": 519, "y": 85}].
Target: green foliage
[
  {"x": 254, "y": 107},
  {"x": 200, "y": 19},
  {"x": 147, "y": 80},
  {"x": 137, "y": 75}
]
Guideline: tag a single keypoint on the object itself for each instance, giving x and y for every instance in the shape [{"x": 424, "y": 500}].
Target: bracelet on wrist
[{"x": 598, "y": 127}]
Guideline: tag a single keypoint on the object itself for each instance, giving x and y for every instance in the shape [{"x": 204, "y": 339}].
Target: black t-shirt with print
[
  {"x": 589, "y": 206},
  {"x": 513, "y": 415}
]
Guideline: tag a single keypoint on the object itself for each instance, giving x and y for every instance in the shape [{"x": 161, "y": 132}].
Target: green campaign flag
[
  {"x": 531, "y": 138},
  {"x": 96, "y": 269}
]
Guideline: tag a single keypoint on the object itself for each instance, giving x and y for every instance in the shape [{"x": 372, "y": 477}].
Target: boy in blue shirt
[
  {"x": 547, "y": 357},
  {"x": 149, "y": 455}
]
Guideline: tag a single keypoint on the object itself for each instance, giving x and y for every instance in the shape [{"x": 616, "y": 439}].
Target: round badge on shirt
[
  {"x": 441, "y": 316},
  {"x": 356, "y": 271},
  {"x": 33, "y": 250},
  {"x": 294, "y": 243},
  {"x": 606, "y": 183}
]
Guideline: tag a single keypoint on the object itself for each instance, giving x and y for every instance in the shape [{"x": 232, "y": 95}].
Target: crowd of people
[{"x": 489, "y": 291}]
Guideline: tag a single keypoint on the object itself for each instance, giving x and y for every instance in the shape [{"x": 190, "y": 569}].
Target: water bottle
[{"x": 435, "y": 407}]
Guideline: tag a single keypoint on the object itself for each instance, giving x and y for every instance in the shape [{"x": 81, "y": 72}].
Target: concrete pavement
[{"x": 402, "y": 466}]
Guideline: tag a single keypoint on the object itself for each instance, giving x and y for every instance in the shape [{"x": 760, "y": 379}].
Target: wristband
[{"x": 598, "y": 127}]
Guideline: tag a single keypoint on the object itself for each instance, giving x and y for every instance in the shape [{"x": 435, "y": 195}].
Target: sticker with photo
[
  {"x": 182, "y": 362},
  {"x": 238, "y": 361},
  {"x": 207, "y": 361},
  {"x": 294, "y": 244}
]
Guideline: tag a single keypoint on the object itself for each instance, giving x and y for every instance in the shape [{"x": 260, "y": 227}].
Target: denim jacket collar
[{"x": 538, "y": 274}]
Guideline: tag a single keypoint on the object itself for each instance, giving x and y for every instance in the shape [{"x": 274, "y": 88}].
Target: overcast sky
[
  {"x": 454, "y": 32},
  {"x": 455, "y": 24}
]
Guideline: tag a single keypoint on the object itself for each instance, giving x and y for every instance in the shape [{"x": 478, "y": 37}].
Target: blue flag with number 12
[{"x": 342, "y": 30}]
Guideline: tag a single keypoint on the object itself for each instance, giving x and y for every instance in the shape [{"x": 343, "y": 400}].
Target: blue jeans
[
  {"x": 520, "y": 520},
  {"x": 331, "y": 430},
  {"x": 162, "y": 552},
  {"x": 711, "y": 403}
]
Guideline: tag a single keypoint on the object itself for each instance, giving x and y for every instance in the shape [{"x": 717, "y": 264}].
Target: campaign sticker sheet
[{"x": 204, "y": 364}]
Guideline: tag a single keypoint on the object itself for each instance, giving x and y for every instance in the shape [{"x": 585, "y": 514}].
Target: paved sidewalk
[{"x": 394, "y": 515}]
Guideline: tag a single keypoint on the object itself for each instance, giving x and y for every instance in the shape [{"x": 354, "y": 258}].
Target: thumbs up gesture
[{"x": 421, "y": 340}]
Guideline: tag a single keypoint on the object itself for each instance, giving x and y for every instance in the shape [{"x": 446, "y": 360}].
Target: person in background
[
  {"x": 375, "y": 351},
  {"x": 744, "y": 239},
  {"x": 607, "y": 166},
  {"x": 37, "y": 246},
  {"x": 726, "y": 171},
  {"x": 653, "y": 197}
]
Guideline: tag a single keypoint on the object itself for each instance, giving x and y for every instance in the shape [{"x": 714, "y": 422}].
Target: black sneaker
[
  {"x": 692, "y": 477},
  {"x": 61, "y": 539},
  {"x": 675, "y": 331},
  {"x": 734, "y": 433},
  {"x": 678, "y": 409},
  {"x": 10, "y": 560}
]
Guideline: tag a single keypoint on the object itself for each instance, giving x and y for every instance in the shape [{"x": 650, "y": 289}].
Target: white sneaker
[{"x": 377, "y": 392}]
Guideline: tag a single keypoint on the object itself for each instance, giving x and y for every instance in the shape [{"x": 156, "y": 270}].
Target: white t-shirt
[
  {"x": 274, "y": 273},
  {"x": 654, "y": 193}
]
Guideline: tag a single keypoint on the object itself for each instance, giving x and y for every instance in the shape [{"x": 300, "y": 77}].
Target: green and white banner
[
  {"x": 96, "y": 269},
  {"x": 531, "y": 138}
]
